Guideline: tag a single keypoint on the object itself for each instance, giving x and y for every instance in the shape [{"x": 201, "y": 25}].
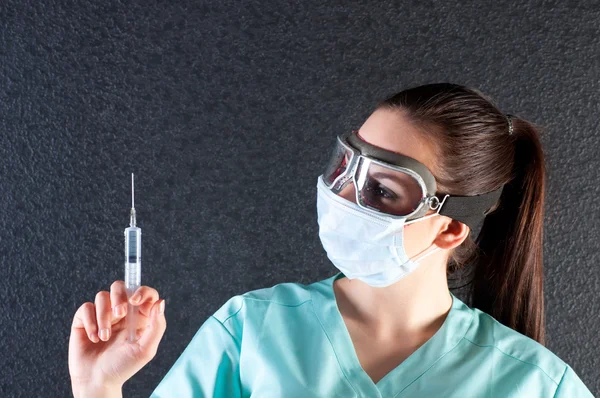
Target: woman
[{"x": 396, "y": 207}]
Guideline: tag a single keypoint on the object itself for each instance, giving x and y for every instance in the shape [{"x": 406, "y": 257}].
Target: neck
[{"x": 415, "y": 305}]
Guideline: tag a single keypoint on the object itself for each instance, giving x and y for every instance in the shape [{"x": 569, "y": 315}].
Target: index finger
[{"x": 147, "y": 296}]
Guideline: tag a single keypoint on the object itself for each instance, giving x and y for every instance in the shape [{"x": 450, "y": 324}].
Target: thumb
[{"x": 151, "y": 336}]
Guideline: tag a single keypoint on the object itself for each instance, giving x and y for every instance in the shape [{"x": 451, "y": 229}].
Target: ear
[{"x": 451, "y": 233}]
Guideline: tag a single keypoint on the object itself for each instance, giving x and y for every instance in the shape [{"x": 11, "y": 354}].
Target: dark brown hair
[{"x": 475, "y": 154}]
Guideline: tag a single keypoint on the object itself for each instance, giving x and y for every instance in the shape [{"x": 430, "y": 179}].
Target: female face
[{"x": 391, "y": 131}]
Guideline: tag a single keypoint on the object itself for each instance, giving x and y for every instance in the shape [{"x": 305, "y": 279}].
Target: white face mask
[{"x": 361, "y": 245}]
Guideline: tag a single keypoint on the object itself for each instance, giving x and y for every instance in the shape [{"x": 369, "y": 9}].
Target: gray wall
[{"x": 226, "y": 112}]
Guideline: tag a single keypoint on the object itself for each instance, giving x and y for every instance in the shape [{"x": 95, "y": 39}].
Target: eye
[{"x": 379, "y": 190}]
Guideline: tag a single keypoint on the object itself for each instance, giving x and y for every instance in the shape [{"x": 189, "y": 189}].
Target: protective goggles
[{"x": 396, "y": 185}]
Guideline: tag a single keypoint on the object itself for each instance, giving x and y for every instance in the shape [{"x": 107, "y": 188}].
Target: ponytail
[
  {"x": 477, "y": 152},
  {"x": 508, "y": 280}
]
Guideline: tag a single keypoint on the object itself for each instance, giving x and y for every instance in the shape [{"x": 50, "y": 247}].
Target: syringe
[{"x": 133, "y": 266}]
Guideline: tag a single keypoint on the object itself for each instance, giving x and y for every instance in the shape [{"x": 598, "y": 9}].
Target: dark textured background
[{"x": 226, "y": 112}]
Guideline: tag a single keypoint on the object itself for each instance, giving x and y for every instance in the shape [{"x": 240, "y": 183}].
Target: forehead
[{"x": 390, "y": 130}]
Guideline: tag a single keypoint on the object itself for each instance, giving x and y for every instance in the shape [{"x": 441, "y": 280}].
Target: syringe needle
[
  {"x": 132, "y": 212},
  {"x": 132, "y": 201}
]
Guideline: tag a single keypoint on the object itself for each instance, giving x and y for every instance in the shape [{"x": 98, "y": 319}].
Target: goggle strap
[{"x": 470, "y": 210}]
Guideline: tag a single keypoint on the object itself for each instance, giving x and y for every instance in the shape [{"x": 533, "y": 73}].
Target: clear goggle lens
[
  {"x": 379, "y": 186},
  {"x": 336, "y": 169}
]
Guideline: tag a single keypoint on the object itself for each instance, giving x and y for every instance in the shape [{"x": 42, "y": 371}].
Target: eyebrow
[{"x": 392, "y": 177}]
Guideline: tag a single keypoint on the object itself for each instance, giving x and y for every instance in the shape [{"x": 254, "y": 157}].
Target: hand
[{"x": 100, "y": 355}]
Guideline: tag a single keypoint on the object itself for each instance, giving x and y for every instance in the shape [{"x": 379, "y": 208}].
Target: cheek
[{"x": 418, "y": 237}]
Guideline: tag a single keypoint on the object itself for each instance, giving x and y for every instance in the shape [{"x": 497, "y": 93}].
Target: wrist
[{"x": 91, "y": 390}]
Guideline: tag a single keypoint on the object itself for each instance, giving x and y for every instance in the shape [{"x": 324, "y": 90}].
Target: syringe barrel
[
  {"x": 133, "y": 259},
  {"x": 133, "y": 275}
]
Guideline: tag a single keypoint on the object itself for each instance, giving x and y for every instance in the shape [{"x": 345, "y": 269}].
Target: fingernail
[
  {"x": 104, "y": 334},
  {"x": 119, "y": 310},
  {"x": 136, "y": 298},
  {"x": 94, "y": 337},
  {"x": 161, "y": 307}
]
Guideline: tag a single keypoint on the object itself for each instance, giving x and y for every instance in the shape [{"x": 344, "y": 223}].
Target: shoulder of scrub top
[
  {"x": 489, "y": 334},
  {"x": 233, "y": 312}
]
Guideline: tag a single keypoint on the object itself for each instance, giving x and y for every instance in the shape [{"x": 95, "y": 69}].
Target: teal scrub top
[{"x": 290, "y": 340}]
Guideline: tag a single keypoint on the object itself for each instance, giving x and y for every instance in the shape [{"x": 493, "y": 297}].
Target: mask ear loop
[
  {"x": 419, "y": 256},
  {"x": 425, "y": 253}
]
